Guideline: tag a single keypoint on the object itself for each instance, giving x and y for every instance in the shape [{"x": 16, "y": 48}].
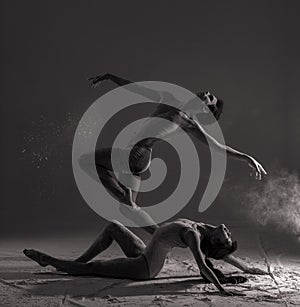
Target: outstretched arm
[
  {"x": 242, "y": 266},
  {"x": 194, "y": 128},
  {"x": 118, "y": 80},
  {"x": 193, "y": 241},
  {"x": 135, "y": 88}
]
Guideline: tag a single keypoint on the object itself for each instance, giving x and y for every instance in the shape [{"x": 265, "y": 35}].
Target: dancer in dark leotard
[
  {"x": 145, "y": 262},
  {"x": 186, "y": 116}
]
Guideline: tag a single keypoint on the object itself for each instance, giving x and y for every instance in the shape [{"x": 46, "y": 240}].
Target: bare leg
[
  {"x": 102, "y": 159},
  {"x": 139, "y": 217},
  {"x": 119, "y": 191},
  {"x": 142, "y": 215},
  {"x": 131, "y": 245},
  {"x": 132, "y": 268}
]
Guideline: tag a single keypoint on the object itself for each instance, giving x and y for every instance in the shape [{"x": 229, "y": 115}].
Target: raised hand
[{"x": 95, "y": 81}]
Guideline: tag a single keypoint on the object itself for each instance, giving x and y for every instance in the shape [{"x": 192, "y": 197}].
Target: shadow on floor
[{"x": 53, "y": 284}]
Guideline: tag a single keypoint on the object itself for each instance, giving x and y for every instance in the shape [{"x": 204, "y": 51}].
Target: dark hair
[
  {"x": 217, "y": 109},
  {"x": 216, "y": 250}
]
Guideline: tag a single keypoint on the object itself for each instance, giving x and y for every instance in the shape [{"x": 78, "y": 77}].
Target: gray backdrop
[{"x": 246, "y": 52}]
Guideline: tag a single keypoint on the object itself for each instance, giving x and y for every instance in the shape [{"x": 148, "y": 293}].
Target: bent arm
[
  {"x": 118, "y": 80},
  {"x": 235, "y": 262},
  {"x": 198, "y": 131},
  {"x": 140, "y": 218},
  {"x": 135, "y": 88},
  {"x": 193, "y": 241},
  {"x": 194, "y": 128}
]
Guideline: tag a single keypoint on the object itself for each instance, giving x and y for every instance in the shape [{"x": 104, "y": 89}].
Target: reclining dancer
[{"x": 144, "y": 262}]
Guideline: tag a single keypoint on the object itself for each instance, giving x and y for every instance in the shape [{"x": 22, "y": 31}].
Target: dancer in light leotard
[{"x": 146, "y": 261}]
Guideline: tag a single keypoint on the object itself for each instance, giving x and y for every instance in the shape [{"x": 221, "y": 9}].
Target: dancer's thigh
[{"x": 128, "y": 268}]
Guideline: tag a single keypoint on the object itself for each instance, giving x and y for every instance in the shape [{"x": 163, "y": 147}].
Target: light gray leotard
[{"x": 165, "y": 238}]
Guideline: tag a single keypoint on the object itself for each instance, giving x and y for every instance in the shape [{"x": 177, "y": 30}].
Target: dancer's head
[
  {"x": 207, "y": 110},
  {"x": 213, "y": 103},
  {"x": 217, "y": 243}
]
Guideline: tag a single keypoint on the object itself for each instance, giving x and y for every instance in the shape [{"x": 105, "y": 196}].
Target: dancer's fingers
[
  {"x": 258, "y": 175},
  {"x": 95, "y": 84},
  {"x": 263, "y": 170},
  {"x": 92, "y": 78}
]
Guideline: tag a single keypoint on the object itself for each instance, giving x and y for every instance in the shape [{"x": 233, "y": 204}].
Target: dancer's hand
[
  {"x": 255, "y": 271},
  {"x": 98, "y": 79},
  {"x": 231, "y": 293},
  {"x": 256, "y": 167}
]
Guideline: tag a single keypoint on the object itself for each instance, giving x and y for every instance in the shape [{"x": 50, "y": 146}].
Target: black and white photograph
[{"x": 150, "y": 153}]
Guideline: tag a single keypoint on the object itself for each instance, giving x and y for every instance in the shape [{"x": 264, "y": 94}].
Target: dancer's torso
[
  {"x": 164, "y": 239},
  {"x": 157, "y": 128},
  {"x": 162, "y": 123}
]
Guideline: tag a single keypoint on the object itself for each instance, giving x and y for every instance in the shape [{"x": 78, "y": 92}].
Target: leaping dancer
[{"x": 188, "y": 117}]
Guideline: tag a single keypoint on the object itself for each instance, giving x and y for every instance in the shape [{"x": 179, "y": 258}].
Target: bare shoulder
[
  {"x": 163, "y": 110},
  {"x": 185, "y": 120},
  {"x": 184, "y": 221},
  {"x": 179, "y": 224},
  {"x": 173, "y": 114},
  {"x": 185, "y": 228},
  {"x": 186, "y": 225}
]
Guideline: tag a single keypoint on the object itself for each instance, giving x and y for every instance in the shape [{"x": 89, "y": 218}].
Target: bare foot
[
  {"x": 36, "y": 256},
  {"x": 129, "y": 202},
  {"x": 135, "y": 206}
]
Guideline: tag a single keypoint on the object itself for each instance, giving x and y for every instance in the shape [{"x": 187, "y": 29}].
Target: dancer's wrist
[{"x": 247, "y": 158}]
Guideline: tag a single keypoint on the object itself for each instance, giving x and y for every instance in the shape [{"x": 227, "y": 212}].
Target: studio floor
[{"x": 24, "y": 283}]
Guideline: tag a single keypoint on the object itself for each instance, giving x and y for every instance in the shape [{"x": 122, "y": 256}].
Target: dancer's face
[
  {"x": 208, "y": 98},
  {"x": 210, "y": 104},
  {"x": 209, "y": 101},
  {"x": 221, "y": 235}
]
